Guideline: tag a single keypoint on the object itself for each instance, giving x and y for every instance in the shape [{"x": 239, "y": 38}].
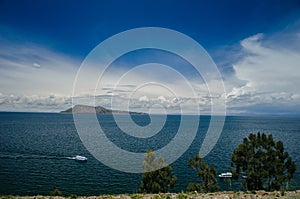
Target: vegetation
[
  {"x": 136, "y": 196},
  {"x": 266, "y": 165},
  {"x": 181, "y": 196},
  {"x": 157, "y": 176},
  {"x": 217, "y": 195},
  {"x": 55, "y": 192},
  {"x": 207, "y": 175},
  {"x": 73, "y": 196}
]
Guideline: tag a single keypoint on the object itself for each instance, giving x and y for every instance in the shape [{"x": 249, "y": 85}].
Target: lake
[{"x": 35, "y": 151}]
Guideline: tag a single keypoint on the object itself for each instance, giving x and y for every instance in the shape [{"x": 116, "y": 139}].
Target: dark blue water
[{"x": 34, "y": 151}]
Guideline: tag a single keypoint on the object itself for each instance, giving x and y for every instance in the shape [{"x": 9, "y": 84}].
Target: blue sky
[{"x": 255, "y": 45}]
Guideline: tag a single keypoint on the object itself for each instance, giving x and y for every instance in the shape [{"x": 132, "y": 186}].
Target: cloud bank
[
  {"x": 264, "y": 79},
  {"x": 271, "y": 72},
  {"x": 34, "y": 78}
]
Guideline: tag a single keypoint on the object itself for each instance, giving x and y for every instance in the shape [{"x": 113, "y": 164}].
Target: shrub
[
  {"x": 181, "y": 196},
  {"x": 55, "y": 192},
  {"x": 73, "y": 196},
  {"x": 135, "y": 196}
]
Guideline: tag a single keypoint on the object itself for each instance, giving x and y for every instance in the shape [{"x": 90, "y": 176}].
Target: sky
[{"x": 254, "y": 44}]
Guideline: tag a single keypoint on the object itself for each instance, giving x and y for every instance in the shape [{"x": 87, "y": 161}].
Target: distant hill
[{"x": 85, "y": 109}]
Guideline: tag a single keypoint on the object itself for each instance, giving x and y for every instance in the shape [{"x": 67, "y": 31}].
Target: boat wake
[{"x": 36, "y": 156}]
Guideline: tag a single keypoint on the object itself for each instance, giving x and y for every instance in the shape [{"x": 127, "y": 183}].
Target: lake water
[{"x": 35, "y": 147}]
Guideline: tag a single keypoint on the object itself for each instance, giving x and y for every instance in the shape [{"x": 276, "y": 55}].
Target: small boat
[
  {"x": 225, "y": 175},
  {"x": 78, "y": 158}
]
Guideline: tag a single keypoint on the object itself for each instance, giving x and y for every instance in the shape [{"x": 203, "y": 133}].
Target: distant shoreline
[{"x": 175, "y": 114}]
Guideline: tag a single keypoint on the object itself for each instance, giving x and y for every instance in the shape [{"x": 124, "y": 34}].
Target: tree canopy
[
  {"x": 207, "y": 176},
  {"x": 264, "y": 162},
  {"x": 156, "y": 180}
]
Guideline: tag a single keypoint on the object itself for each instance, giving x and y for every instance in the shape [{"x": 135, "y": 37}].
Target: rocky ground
[{"x": 217, "y": 195}]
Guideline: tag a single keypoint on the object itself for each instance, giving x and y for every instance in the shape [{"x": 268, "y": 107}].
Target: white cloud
[
  {"x": 36, "y": 65},
  {"x": 269, "y": 69},
  {"x": 51, "y": 102},
  {"x": 145, "y": 87},
  {"x": 271, "y": 72},
  {"x": 21, "y": 71},
  {"x": 27, "y": 86},
  {"x": 162, "y": 99},
  {"x": 144, "y": 99},
  {"x": 34, "y": 78}
]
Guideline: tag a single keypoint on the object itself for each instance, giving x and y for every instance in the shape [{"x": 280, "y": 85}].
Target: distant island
[{"x": 85, "y": 109}]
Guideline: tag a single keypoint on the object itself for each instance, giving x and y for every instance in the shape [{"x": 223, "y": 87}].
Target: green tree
[
  {"x": 266, "y": 164},
  {"x": 157, "y": 176},
  {"x": 207, "y": 176}
]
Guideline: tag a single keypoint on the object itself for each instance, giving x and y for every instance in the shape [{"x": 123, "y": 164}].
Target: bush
[
  {"x": 282, "y": 192},
  {"x": 73, "y": 196},
  {"x": 136, "y": 196},
  {"x": 156, "y": 196},
  {"x": 55, "y": 192},
  {"x": 181, "y": 196}
]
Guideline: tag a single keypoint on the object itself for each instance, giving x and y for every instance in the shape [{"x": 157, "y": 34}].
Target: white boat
[
  {"x": 80, "y": 158},
  {"x": 225, "y": 175}
]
